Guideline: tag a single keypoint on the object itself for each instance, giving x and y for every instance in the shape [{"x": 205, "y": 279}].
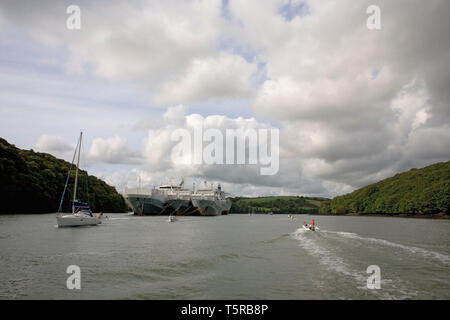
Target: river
[{"x": 225, "y": 257}]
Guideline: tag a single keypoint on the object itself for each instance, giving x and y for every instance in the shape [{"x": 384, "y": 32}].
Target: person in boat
[
  {"x": 312, "y": 225},
  {"x": 101, "y": 215},
  {"x": 305, "y": 224}
]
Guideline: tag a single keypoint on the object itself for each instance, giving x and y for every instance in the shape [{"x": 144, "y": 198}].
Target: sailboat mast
[
  {"x": 76, "y": 173},
  {"x": 68, "y": 176}
]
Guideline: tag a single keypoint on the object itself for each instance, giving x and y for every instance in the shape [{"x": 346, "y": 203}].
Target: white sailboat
[{"x": 81, "y": 213}]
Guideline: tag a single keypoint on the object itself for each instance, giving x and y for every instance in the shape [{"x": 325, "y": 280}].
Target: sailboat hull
[{"x": 76, "y": 220}]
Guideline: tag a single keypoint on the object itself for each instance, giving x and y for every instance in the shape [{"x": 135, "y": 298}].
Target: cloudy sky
[{"x": 353, "y": 105}]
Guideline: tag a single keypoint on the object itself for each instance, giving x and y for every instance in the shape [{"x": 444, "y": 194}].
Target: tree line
[{"x": 276, "y": 205}]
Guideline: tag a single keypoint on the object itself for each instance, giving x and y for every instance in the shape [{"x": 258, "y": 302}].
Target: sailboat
[{"x": 81, "y": 213}]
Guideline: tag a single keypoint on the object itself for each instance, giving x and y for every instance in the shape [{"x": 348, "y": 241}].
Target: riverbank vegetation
[
  {"x": 276, "y": 205},
  {"x": 423, "y": 191}
]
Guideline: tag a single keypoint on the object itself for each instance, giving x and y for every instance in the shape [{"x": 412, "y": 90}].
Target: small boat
[
  {"x": 101, "y": 216},
  {"x": 81, "y": 213},
  {"x": 310, "y": 228},
  {"x": 172, "y": 219}
]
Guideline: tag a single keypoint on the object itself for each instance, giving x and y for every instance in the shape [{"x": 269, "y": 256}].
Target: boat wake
[
  {"x": 325, "y": 250},
  {"x": 325, "y": 255},
  {"x": 411, "y": 249}
]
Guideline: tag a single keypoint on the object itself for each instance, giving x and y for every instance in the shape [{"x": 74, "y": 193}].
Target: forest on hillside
[
  {"x": 417, "y": 191},
  {"x": 33, "y": 182}
]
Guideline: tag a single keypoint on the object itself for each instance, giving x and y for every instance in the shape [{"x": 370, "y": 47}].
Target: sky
[{"x": 352, "y": 105}]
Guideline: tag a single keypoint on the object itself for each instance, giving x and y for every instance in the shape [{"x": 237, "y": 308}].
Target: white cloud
[
  {"x": 113, "y": 150},
  {"x": 225, "y": 76},
  {"x": 54, "y": 145},
  {"x": 170, "y": 49},
  {"x": 353, "y": 105},
  {"x": 347, "y": 125},
  {"x": 246, "y": 179}
]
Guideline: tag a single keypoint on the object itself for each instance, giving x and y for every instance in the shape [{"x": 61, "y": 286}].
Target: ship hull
[
  {"x": 180, "y": 206},
  {"x": 211, "y": 207},
  {"x": 177, "y": 202},
  {"x": 144, "y": 205}
]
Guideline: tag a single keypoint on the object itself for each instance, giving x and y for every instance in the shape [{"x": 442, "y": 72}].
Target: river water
[{"x": 226, "y": 257}]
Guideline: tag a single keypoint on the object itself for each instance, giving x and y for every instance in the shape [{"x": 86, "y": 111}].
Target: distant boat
[
  {"x": 81, "y": 213},
  {"x": 172, "y": 219},
  {"x": 271, "y": 212},
  {"x": 101, "y": 216}
]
